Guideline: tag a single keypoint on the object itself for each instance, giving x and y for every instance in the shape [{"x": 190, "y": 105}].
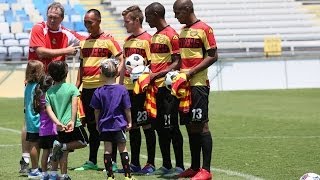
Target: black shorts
[
  {"x": 46, "y": 142},
  {"x": 114, "y": 136},
  {"x": 199, "y": 106},
  {"x": 78, "y": 134},
  {"x": 167, "y": 109},
  {"x": 138, "y": 112},
  {"x": 32, "y": 137},
  {"x": 86, "y": 96}
]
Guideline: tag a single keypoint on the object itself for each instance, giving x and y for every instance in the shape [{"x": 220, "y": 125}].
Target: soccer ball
[
  {"x": 310, "y": 176},
  {"x": 169, "y": 78},
  {"x": 137, "y": 71},
  {"x": 133, "y": 61}
]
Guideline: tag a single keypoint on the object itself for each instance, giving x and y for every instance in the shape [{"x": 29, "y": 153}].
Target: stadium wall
[{"x": 224, "y": 75}]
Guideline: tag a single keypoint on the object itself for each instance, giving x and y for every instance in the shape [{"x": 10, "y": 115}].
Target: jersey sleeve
[
  {"x": 209, "y": 39},
  {"x": 115, "y": 47},
  {"x": 95, "y": 103},
  {"x": 175, "y": 44},
  {"x": 37, "y": 38}
]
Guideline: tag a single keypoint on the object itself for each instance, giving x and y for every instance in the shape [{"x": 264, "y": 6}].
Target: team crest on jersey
[
  {"x": 175, "y": 37},
  {"x": 54, "y": 41},
  {"x": 210, "y": 31},
  {"x": 161, "y": 39},
  {"x": 139, "y": 44},
  {"x": 100, "y": 44},
  {"x": 193, "y": 33}
]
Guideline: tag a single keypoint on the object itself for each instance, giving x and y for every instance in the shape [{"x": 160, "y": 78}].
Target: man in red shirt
[{"x": 49, "y": 41}]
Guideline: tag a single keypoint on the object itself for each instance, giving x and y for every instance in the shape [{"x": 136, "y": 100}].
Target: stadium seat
[
  {"x": 16, "y": 27},
  {"x": 76, "y": 18},
  {"x": 4, "y": 27},
  {"x": 79, "y": 26},
  {"x": 5, "y": 36},
  {"x": 27, "y": 26},
  {"x": 26, "y": 51},
  {"x": 24, "y": 42},
  {"x": 11, "y": 42},
  {"x": 15, "y": 53},
  {"x": 3, "y": 53},
  {"x": 22, "y": 35}
]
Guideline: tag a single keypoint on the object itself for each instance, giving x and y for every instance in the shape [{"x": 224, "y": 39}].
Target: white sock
[
  {"x": 44, "y": 173},
  {"x": 26, "y": 157},
  {"x": 64, "y": 147},
  {"x": 53, "y": 173}
]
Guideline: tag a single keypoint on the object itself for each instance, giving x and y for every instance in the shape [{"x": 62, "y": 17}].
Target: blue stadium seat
[
  {"x": 5, "y": 36},
  {"x": 11, "y": 42},
  {"x": 79, "y": 26},
  {"x": 3, "y": 53},
  {"x": 22, "y": 35},
  {"x": 26, "y": 51},
  {"x": 24, "y": 42},
  {"x": 27, "y": 26},
  {"x": 15, "y": 53},
  {"x": 68, "y": 25}
]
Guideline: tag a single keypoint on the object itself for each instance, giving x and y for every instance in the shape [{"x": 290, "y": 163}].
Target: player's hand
[
  {"x": 72, "y": 50},
  {"x": 61, "y": 127},
  {"x": 70, "y": 127},
  {"x": 129, "y": 126},
  {"x": 97, "y": 127}
]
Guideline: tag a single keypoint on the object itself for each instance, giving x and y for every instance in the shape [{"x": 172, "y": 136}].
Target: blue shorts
[{"x": 199, "y": 106}]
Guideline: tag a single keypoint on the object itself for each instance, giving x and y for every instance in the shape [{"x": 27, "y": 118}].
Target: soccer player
[
  {"x": 97, "y": 46},
  {"x": 111, "y": 103},
  {"x": 164, "y": 58},
  {"x": 49, "y": 41},
  {"x": 138, "y": 43},
  {"x": 61, "y": 106},
  {"x": 198, "y": 51}
]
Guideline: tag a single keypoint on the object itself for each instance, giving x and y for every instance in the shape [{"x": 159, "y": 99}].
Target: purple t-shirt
[
  {"x": 111, "y": 100},
  {"x": 47, "y": 127}
]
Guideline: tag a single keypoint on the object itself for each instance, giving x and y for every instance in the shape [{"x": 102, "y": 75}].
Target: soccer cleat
[
  {"x": 173, "y": 172},
  {"x": 187, "y": 173},
  {"x": 56, "y": 151},
  {"x": 161, "y": 171},
  {"x": 35, "y": 174},
  {"x": 53, "y": 177},
  {"x": 133, "y": 169},
  {"x": 46, "y": 177},
  {"x": 147, "y": 169},
  {"x": 88, "y": 165},
  {"x": 24, "y": 167},
  {"x": 202, "y": 175},
  {"x": 65, "y": 177},
  {"x": 110, "y": 178}
]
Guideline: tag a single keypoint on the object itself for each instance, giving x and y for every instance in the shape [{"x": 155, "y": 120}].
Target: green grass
[{"x": 267, "y": 134}]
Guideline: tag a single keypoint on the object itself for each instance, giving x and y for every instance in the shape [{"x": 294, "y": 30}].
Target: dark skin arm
[
  {"x": 176, "y": 63},
  {"x": 208, "y": 61}
]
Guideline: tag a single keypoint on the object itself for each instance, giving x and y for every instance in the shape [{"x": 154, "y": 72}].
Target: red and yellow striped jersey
[
  {"x": 136, "y": 45},
  {"x": 164, "y": 43},
  {"x": 194, "y": 41},
  {"x": 92, "y": 51}
]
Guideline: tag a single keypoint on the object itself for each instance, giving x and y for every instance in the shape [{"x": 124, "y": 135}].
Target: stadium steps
[{"x": 109, "y": 22}]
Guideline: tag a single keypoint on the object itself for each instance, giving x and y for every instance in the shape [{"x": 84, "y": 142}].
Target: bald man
[{"x": 198, "y": 51}]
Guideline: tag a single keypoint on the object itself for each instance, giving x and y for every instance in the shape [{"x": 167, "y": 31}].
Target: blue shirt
[
  {"x": 111, "y": 100},
  {"x": 31, "y": 117}
]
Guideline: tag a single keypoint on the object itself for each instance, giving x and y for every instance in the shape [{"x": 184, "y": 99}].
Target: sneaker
[
  {"x": 88, "y": 165},
  {"x": 133, "y": 169},
  {"x": 114, "y": 167},
  {"x": 187, "y": 173},
  {"x": 147, "y": 169},
  {"x": 202, "y": 175},
  {"x": 56, "y": 151},
  {"x": 173, "y": 172},
  {"x": 24, "y": 167},
  {"x": 35, "y": 174},
  {"x": 161, "y": 171},
  {"x": 65, "y": 177},
  {"x": 45, "y": 177},
  {"x": 53, "y": 177}
]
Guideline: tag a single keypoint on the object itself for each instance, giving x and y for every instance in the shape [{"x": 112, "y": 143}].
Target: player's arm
[
  {"x": 80, "y": 74},
  {"x": 96, "y": 117},
  {"x": 54, "y": 118},
  {"x": 121, "y": 69},
  {"x": 208, "y": 61},
  {"x": 129, "y": 118},
  {"x": 43, "y": 52},
  {"x": 175, "y": 65}
]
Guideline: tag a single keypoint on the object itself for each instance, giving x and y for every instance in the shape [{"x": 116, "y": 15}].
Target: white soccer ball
[
  {"x": 133, "y": 61},
  {"x": 137, "y": 71},
  {"x": 310, "y": 176},
  {"x": 169, "y": 78}
]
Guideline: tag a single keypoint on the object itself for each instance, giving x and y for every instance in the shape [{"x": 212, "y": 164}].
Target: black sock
[
  {"x": 206, "y": 144},
  {"x": 114, "y": 152},
  {"x": 150, "y": 136},
  {"x": 108, "y": 164},
  {"x": 195, "y": 149},
  {"x": 164, "y": 143},
  {"x": 94, "y": 142},
  {"x": 135, "y": 144},
  {"x": 177, "y": 141},
  {"x": 125, "y": 164}
]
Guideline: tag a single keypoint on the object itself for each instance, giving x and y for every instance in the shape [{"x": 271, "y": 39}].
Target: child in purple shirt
[
  {"x": 47, "y": 130},
  {"x": 111, "y": 104}
]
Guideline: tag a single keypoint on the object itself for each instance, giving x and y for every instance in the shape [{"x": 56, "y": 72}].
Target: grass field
[{"x": 257, "y": 135}]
